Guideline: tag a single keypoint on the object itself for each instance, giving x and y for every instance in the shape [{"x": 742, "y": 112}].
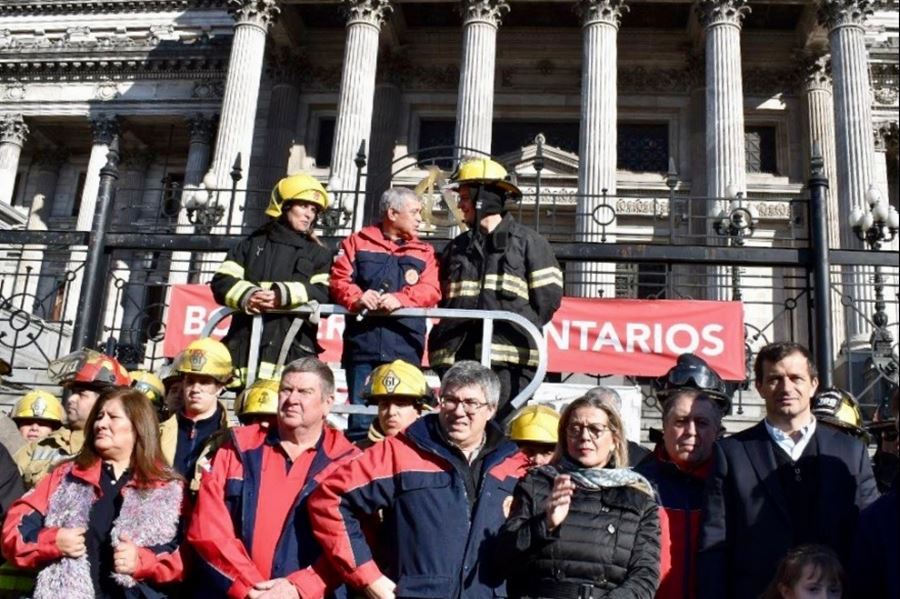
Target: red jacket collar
[
  {"x": 91, "y": 476},
  {"x": 375, "y": 235},
  {"x": 700, "y": 471}
]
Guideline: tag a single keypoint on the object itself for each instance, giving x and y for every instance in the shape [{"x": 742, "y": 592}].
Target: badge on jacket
[{"x": 411, "y": 276}]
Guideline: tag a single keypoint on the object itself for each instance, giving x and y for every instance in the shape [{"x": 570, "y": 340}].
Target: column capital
[
  {"x": 51, "y": 158},
  {"x": 484, "y": 11},
  {"x": 722, "y": 12},
  {"x": 13, "y": 129},
  {"x": 368, "y": 12},
  {"x": 815, "y": 72},
  {"x": 602, "y": 11},
  {"x": 103, "y": 129},
  {"x": 261, "y": 13},
  {"x": 201, "y": 127},
  {"x": 840, "y": 13}
]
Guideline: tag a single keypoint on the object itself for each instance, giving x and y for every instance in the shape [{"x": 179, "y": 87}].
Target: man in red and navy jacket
[
  {"x": 444, "y": 487},
  {"x": 678, "y": 469},
  {"x": 382, "y": 268},
  {"x": 250, "y": 527}
]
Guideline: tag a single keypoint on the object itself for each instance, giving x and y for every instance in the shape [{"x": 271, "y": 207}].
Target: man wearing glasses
[{"x": 445, "y": 487}]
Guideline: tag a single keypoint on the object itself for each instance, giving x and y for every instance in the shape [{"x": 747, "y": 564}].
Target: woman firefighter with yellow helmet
[
  {"x": 279, "y": 266},
  {"x": 401, "y": 393}
]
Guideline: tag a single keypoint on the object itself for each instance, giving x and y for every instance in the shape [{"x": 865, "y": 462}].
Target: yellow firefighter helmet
[
  {"x": 535, "y": 424},
  {"x": 295, "y": 188},
  {"x": 260, "y": 398},
  {"x": 206, "y": 356},
  {"x": 38, "y": 405},
  {"x": 150, "y": 385},
  {"x": 483, "y": 171},
  {"x": 397, "y": 379}
]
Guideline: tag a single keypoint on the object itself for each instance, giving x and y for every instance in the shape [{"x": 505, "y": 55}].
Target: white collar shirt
[{"x": 792, "y": 448}]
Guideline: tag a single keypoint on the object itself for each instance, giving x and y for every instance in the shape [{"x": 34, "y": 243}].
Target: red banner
[{"x": 586, "y": 336}]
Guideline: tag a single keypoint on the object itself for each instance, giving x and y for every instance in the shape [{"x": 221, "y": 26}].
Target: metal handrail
[{"x": 486, "y": 316}]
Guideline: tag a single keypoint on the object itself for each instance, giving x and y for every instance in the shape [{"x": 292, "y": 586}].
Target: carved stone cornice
[
  {"x": 601, "y": 11},
  {"x": 484, "y": 11},
  {"x": 202, "y": 127},
  {"x": 103, "y": 129},
  {"x": 367, "y": 12},
  {"x": 885, "y": 83},
  {"x": 136, "y": 159},
  {"x": 433, "y": 77},
  {"x": 842, "y": 13},
  {"x": 51, "y": 158},
  {"x": 283, "y": 65},
  {"x": 261, "y": 13},
  {"x": 394, "y": 67},
  {"x": 696, "y": 68},
  {"x": 722, "y": 12},
  {"x": 639, "y": 79},
  {"x": 886, "y": 137},
  {"x": 80, "y": 7},
  {"x": 759, "y": 81},
  {"x": 814, "y": 73},
  {"x": 13, "y": 129}
]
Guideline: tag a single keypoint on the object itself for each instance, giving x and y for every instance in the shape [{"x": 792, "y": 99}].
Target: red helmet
[{"x": 90, "y": 368}]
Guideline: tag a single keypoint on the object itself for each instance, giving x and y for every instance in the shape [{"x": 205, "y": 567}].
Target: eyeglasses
[
  {"x": 470, "y": 406},
  {"x": 595, "y": 431}
]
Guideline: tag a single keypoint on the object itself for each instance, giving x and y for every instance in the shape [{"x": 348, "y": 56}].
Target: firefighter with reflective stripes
[
  {"x": 498, "y": 264},
  {"x": 281, "y": 265}
]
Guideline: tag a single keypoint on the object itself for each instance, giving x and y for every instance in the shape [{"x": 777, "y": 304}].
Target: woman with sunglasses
[{"x": 584, "y": 525}]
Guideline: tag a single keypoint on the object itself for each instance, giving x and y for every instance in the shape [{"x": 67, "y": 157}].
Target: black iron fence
[{"x": 60, "y": 289}]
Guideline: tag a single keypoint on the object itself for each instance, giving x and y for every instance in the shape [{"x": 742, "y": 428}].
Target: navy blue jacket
[
  {"x": 747, "y": 527},
  {"x": 873, "y": 565},
  {"x": 437, "y": 544}
]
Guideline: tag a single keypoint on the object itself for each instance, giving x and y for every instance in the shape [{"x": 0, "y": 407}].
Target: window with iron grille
[
  {"x": 641, "y": 281},
  {"x": 759, "y": 147},
  {"x": 642, "y": 147}
]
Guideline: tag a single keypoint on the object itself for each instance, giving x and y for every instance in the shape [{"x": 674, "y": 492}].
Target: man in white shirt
[{"x": 779, "y": 484}]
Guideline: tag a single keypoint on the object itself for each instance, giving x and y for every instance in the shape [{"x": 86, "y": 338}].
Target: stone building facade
[{"x": 727, "y": 97}]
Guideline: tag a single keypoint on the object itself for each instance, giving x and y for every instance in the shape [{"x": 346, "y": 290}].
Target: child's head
[{"x": 808, "y": 572}]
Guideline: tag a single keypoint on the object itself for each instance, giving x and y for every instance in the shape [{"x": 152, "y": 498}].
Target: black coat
[
  {"x": 11, "y": 487},
  {"x": 610, "y": 538},
  {"x": 297, "y": 268},
  {"x": 747, "y": 528}
]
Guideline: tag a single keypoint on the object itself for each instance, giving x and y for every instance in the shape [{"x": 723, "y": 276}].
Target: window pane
[
  {"x": 325, "y": 141},
  {"x": 759, "y": 147}
]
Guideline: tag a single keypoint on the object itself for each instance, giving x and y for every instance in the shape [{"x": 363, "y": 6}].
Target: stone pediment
[{"x": 557, "y": 162}]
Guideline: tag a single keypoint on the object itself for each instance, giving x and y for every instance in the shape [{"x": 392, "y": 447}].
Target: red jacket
[
  {"x": 680, "y": 504},
  {"x": 223, "y": 530},
  {"x": 408, "y": 270},
  {"x": 27, "y": 543}
]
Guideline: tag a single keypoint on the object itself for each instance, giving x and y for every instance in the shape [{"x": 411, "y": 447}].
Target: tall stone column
[
  {"x": 854, "y": 144},
  {"x": 475, "y": 101},
  {"x": 201, "y": 128},
  {"x": 32, "y": 270},
  {"x": 252, "y": 21},
  {"x": 103, "y": 129},
  {"x": 354, "y": 117},
  {"x": 281, "y": 124},
  {"x": 726, "y": 163},
  {"x": 388, "y": 104},
  {"x": 816, "y": 90},
  {"x": 13, "y": 132},
  {"x": 597, "y": 147},
  {"x": 817, "y": 94}
]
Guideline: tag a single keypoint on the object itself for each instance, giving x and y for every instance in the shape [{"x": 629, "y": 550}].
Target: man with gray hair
[
  {"x": 447, "y": 483},
  {"x": 611, "y": 398},
  {"x": 381, "y": 268}
]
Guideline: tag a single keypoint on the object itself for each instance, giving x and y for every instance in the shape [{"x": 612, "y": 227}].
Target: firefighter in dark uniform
[
  {"x": 280, "y": 265},
  {"x": 497, "y": 264}
]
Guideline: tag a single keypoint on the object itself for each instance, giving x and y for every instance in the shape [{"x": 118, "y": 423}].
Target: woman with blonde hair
[
  {"x": 108, "y": 522},
  {"x": 584, "y": 525}
]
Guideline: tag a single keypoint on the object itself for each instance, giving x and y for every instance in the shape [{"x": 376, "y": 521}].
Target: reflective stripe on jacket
[{"x": 512, "y": 268}]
